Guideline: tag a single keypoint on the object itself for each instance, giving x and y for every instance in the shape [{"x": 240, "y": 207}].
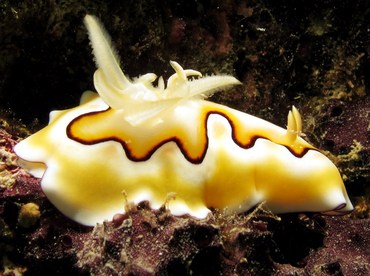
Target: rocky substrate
[{"x": 36, "y": 239}]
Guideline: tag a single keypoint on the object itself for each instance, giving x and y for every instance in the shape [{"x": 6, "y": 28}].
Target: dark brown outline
[{"x": 175, "y": 139}]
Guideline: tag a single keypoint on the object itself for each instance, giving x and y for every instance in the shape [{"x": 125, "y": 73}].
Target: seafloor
[{"x": 313, "y": 54}]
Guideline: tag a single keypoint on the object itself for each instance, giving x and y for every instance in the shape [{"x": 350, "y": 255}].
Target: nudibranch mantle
[{"x": 149, "y": 142}]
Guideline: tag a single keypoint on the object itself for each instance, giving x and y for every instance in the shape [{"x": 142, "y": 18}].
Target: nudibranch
[{"x": 149, "y": 142}]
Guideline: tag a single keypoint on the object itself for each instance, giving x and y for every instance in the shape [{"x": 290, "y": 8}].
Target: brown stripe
[{"x": 243, "y": 142}]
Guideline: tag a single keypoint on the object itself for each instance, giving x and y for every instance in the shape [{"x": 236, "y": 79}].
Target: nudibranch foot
[{"x": 153, "y": 142}]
